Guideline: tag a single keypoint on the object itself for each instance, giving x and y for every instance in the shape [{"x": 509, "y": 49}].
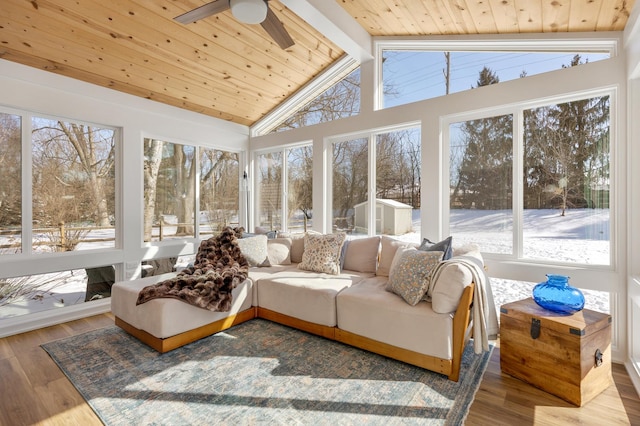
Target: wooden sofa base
[
  {"x": 448, "y": 367},
  {"x": 309, "y": 327},
  {"x": 427, "y": 362},
  {"x": 170, "y": 343}
]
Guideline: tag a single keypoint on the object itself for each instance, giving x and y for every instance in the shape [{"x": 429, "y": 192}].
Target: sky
[{"x": 420, "y": 75}]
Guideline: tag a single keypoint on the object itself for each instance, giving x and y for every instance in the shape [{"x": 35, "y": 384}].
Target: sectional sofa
[{"x": 376, "y": 293}]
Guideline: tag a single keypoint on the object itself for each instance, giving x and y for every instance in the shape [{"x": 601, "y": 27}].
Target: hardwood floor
[{"x": 34, "y": 391}]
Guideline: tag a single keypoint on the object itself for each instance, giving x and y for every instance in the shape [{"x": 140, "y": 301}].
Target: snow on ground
[{"x": 581, "y": 236}]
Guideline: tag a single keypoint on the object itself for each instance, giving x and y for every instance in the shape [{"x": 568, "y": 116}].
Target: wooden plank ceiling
[{"x": 234, "y": 71}]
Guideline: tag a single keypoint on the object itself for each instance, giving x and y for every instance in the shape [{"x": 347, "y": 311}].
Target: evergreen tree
[
  {"x": 485, "y": 172},
  {"x": 566, "y": 152}
]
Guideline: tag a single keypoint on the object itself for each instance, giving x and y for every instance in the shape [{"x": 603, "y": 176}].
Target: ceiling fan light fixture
[{"x": 249, "y": 11}]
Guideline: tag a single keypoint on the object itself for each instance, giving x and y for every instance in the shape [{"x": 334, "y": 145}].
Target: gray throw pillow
[{"x": 443, "y": 246}]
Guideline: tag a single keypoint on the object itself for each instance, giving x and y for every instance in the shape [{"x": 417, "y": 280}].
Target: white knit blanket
[{"x": 485, "y": 319}]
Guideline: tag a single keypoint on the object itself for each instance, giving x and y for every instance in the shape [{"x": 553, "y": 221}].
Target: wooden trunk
[{"x": 566, "y": 355}]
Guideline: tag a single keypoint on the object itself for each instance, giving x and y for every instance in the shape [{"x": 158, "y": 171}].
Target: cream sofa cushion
[
  {"x": 361, "y": 254},
  {"x": 388, "y": 248},
  {"x": 164, "y": 318},
  {"x": 309, "y": 296},
  {"x": 453, "y": 278},
  {"x": 368, "y": 310}
]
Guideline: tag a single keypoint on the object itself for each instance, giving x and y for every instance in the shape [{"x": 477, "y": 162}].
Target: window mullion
[
  {"x": 284, "y": 209},
  {"x": 373, "y": 139},
  {"x": 27, "y": 186},
  {"x": 518, "y": 176}
]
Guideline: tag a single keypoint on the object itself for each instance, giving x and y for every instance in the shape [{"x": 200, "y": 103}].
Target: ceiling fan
[{"x": 245, "y": 11}]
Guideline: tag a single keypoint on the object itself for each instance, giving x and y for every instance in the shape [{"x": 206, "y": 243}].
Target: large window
[
  {"x": 395, "y": 175},
  {"x": 57, "y": 196},
  {"x": 567, "y": 182},
  {"x": 173, "y": 176},
  {"x": 481, "y": 183},
  {"x": 560, "y": 213},
  {"x": 351, "y": 186},
  {"x": 219, "y": 190},
  {"x": 285, "y": 175},
  {"x": 169, "y": 190},
  {"x": 11, "y": 177},
  {"x": 71, "y": 190},
  {"x": 73, "y": 185},
  {"x": 413, "y": 74}
]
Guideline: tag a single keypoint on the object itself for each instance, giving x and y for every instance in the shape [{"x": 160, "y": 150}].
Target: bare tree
[
  {"x": 73, "y": 172},
  {"x": 152, "y": 161}
]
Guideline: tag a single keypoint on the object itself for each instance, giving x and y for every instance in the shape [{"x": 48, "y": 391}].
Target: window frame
[
  {"x": 539, "y": 43},
  {"x": 284, "y": 190},
  {"x": 517, "y": 110},
  {"x": 371, "y": 135},
  {"x": 242, "y": 189},
  {"x": 26, "y": 190}
]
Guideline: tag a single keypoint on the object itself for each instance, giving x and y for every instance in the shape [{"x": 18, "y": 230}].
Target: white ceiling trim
[{"x": 336, "y": 24}]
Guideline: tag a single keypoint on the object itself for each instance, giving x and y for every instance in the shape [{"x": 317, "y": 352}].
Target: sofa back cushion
[
  {"x": 388, "y": 248},
  {"x": 453, "y": 277},
  {"x": 361, "y": 254}
]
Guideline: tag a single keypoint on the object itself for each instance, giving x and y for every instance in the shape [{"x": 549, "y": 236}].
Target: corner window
[
  {"x": 393, "y": 207},
  {"x": 561, "y": 212},
  {"x": 285, "y": 175}
]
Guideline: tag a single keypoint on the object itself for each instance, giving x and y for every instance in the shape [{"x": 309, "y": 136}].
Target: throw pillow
[
  {"x": 361, "y": 254},
  {"x": 279, "y": 251},
  {"x": 254, "y": 250},
  {"x": 409, "y": 277},
  {"x": 322, "y": 253},
  {"x": 443, "y": 246}
]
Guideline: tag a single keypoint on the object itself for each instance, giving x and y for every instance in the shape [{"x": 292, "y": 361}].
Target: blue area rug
[{"x": 259, "y": 372}]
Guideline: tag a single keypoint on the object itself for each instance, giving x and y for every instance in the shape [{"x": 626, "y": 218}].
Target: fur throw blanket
[{"x": 219, "y": 267}]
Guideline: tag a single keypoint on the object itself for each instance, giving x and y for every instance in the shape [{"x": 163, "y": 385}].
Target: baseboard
[
  {"x": 634, "y": 374},
  {"x": 29, "y": 322}
]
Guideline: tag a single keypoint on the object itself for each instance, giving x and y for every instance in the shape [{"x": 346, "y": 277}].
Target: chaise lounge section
[{"x": 356, "y": 306}]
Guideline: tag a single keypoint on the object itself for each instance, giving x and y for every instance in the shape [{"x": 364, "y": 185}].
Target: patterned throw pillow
[
  {"x": 254, "y": 250},
  {"x": 409, "y": 276},
  {"x": 322, "y": 253}
]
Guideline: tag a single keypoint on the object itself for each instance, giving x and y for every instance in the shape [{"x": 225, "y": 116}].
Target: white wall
[
  {"x": 632, "y": 49},
  {"x": 28, "y": 89}
]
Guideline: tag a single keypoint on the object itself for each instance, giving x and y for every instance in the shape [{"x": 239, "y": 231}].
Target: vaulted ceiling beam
[{"x": 336, "y": 24}]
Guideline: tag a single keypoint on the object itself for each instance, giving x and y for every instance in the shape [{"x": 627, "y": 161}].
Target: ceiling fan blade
[
  {"x": 203, "y": 11},
  {"x": 276, "y": 30}
]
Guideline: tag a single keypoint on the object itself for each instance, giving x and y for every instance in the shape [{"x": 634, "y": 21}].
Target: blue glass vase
[{"x": 557, "y": 295}]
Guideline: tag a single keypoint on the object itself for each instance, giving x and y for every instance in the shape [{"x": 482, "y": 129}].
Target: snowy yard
[{"x": 582, "y": 236}]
